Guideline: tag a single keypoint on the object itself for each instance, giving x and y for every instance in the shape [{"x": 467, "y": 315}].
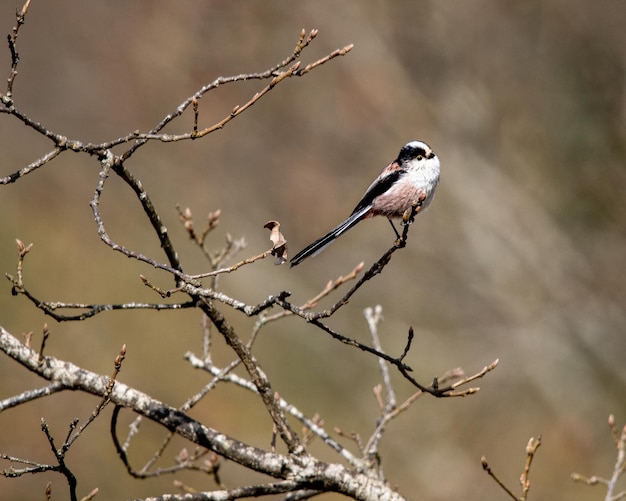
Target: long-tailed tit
[{"x": 410, "y": 178}]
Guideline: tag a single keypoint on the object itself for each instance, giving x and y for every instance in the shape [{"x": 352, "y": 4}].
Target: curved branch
[
  {"x": 307, "y": 471},
  {"x": 108, "y": 162}
]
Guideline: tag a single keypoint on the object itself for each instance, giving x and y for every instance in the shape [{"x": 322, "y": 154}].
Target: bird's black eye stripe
[{"x": 411, "y": 151}]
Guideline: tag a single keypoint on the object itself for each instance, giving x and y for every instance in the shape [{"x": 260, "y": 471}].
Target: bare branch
[
  {"x": 374, "y": 316},
  {"x": 15, "y": 58},
  {"x": 31, "y": 167},
  {"x": 274, "y": 73},
  {"x": 619, "y": 437},
  {"x": 106, "y": 398},
  {"x": 50, "y": 308},
  {"x": 531, "y": 449},
  {"x": 234, "y": 267},
  {"x": 109, "y": 163},
  {"x": 487, "y": 468},
  {"x": 256, "y": 373},
  {"x": 282, "y": 487},
  {"x": 227, "y": 376},
  {"x": 30, "y": 395},
  {"x": 63, "y": 143},
  {"x": 60, "y": 457}
]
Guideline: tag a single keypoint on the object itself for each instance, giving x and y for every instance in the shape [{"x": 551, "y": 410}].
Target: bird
[{"x": 412, "y": 177}]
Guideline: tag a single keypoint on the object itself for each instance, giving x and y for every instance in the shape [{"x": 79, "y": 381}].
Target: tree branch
[{"x": 302, "y": 468}]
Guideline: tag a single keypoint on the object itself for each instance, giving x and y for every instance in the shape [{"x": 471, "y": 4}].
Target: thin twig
[
  {"x": 619, "y": 437},
  {"x": 60, "y": 457},
  {"x": 15, "y": 58},
  {"x": 106, "y": 398},
  {"x": 50, "y": 307},
  {"x": 226, "y": 375},
  {"x": 374, "y": 316},
  {"x": 489, "y": 471},
  {"x": 63, "y": 143},
  {"x": 531, "y": 449}
]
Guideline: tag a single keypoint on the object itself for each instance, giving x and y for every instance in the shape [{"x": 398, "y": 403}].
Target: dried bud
[
  {"x": 183, "y": 456},
  {"x": 279, "y": 247}
]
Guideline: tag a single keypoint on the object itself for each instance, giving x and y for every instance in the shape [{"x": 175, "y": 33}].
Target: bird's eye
[{"x": 420, "y": 157}]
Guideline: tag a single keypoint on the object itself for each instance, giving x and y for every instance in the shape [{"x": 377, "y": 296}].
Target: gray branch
[{"x": 303, "y": 470}]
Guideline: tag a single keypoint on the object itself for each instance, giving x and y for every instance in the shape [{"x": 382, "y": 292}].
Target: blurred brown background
[{"x": 520, "y": 257}]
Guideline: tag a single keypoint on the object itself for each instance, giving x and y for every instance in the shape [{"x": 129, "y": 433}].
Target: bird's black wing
[{"x": 379, "y": 186}]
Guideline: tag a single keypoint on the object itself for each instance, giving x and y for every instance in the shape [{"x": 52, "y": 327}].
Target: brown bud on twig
[{"x": 23, "y": 249}]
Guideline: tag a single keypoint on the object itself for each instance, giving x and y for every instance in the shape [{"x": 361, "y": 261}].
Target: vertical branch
[
  {"x": 259, "y": 378},
  {"x": 531, "y": 449},
  {"x": 15, "y": 57},
  {"x": 620, "y": 463},
  {"x": 619, "y": 437},
  {"x": 59, "y": 454},
  {"x": 374, "y": 316},
  {"x": 153, "y": 216},
  {"x": 108, "y": 162}
]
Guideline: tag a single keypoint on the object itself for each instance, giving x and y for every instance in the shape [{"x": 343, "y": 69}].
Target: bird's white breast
[{"x": 419, "y": 181}]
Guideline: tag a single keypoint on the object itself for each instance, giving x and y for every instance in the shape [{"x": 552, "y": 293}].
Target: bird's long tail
[{"x": 321, "y": 243}]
